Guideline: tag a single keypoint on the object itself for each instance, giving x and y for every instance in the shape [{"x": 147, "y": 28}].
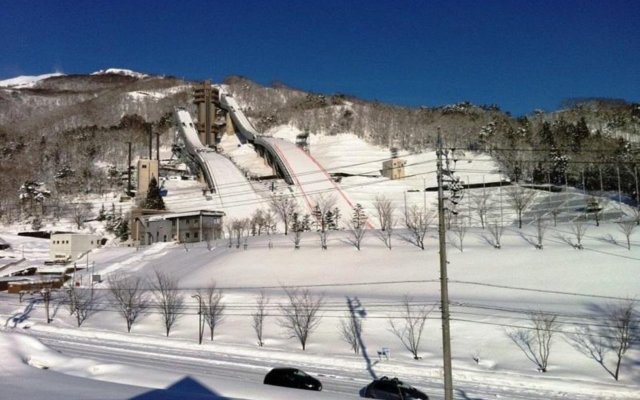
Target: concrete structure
[
  {"x": 146, "y": 170},
  {"x": 70, "y": 246},
  {"x": 186, "y": 227},
  {"x": 394, "y": 168},
  {"x": 205, "y": 97}
]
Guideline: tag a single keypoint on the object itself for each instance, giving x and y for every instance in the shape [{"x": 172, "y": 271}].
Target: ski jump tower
[{"x": 205, "y": 99}]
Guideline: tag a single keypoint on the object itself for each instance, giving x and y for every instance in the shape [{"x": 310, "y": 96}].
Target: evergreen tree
[
  {"x": 359, "y": 217},
  {"x": 154, "y": 200},
  {"x": 102, "y": 214},
  {"x": 122, "y": 231}
]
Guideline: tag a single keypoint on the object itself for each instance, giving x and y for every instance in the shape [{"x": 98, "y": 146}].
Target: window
[
  {"x": 195, "y": 235},
  {"x": 144, "y": 166},
  {"x": 186, "y": 235}
]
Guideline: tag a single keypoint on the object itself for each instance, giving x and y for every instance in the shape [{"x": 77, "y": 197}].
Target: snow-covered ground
[{"x": 491, "y": 291}]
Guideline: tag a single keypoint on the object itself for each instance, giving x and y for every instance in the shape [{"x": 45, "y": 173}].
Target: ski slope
[
  {"x": 233, "y": 191},
  {"x": 299, "y": 168}
]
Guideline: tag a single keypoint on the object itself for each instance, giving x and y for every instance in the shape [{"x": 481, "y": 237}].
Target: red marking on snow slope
[
  {"x": 293, "y": 175},
  {"x": 338, "y": 189}
]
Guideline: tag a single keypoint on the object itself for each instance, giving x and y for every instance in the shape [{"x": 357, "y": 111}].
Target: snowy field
[{"x": 491, "y": 292}]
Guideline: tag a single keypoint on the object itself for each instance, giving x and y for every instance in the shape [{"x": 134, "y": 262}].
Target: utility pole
[
  {"x": 200, "y": 324},
  {"x": 129, "y": 172},
  {"x": 150, "y": 143},
  {"x": 158, "y": 150},
  {"x": 444, "y": 289},
  {"x": 46, "y": 295}
]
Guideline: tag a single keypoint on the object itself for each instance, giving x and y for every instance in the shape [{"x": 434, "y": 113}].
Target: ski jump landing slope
[
  {"x": 299, "y": 168},
  {"x": 234, "y": 193}
]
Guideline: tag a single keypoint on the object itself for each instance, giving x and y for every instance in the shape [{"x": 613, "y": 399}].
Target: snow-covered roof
[{"x": 204, "y": 213}]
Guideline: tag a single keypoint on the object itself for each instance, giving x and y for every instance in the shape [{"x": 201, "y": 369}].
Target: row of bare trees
[
  {"x": 606, "y": 340},
  {"x": 614, "y": 329}
]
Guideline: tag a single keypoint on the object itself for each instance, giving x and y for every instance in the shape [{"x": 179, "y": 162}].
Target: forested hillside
[{"x": 71, "y": 132}]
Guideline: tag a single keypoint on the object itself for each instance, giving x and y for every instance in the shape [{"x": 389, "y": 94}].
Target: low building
[
  {"x": 69, "y": 246},
  {"x": 186, "y": 227},
  {"x": 394, "y": 168},
  {"x": 147, "y": 169}
]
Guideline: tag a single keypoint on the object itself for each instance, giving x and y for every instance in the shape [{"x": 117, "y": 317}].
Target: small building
[
  {"x": 147, "y": 169},
  {"x": 186, "y": 227},
  {"x": 65, "y": 247},
  {"x": 393, "y": 168}
]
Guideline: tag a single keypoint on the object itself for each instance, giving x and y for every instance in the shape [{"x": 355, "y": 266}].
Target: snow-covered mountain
[
  {"x": 25, "y": 81},
  {"x": 120, "y": 71}
]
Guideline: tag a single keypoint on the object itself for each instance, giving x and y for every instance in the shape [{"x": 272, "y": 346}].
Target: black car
[
  {"x": 293, "y": 378},
  {"x": 392, "y": 389}
]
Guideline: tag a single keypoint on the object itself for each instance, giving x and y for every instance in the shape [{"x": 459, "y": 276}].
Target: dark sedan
[
  {"x": 392, "y": 389},
  {"x": 293, "y": 378}
]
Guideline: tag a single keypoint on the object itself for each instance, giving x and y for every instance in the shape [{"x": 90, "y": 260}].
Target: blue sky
[{"x": 520, "y": 55}]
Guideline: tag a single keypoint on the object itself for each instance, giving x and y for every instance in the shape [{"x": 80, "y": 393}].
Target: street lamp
[
  {"x": 200, "y": 322},
  {"x": 46, "y": 295}
]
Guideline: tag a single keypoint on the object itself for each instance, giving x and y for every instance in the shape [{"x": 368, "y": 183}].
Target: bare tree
[
  {"x": 459, "y": 229},
  {"x": 481, "y": 201},
  {"x": 259, "y": 315},
  {"x": 417, "y": 221},
  {"x": 284, "y": 206},
  {"x": 321, "y": 211},
  {"x": 618, "y": 332},
  {"x": 228, "y": 227},
  {"x": 541, "y": 229},
  {"x": 535, "y": 342},
  {"x": 350, "y": 331},
  {"x": 80, "y": 213},
  {"x": 169, "y": 298},
  {"x": 496, "y": 230},
  {"x": 358, "y": 226},
  {"x": 128, "y": 293},
  {"x": 627, "y": 228},
  {"x": 300, "y": 314},
  {"x": 270, "y": 222},
  {"x": 519, "y": 198},
  {"x": 385, "y": 213},
  {"x": 81, "y": 301},
  {"x": 412, "y": 321},
  {"x": 594, "y": 207},
  {"x": 579, "y": 229},
  {"x": 212, "y": 308},
  {"x": 297, "y": 228},
  {"x": 240, "y": 226}
]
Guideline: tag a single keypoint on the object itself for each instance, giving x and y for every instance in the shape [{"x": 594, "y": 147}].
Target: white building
[
  {"x": 70, "y": 246},
  {"x": 185, "y": 227}
]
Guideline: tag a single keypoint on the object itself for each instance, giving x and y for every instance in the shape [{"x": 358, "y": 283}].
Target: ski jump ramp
[
  {"x": 295, "y": 165},
  {"x": 233, "y": 191}
]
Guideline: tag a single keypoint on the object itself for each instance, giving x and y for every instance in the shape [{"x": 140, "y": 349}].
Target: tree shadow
[
  {"x": 22, "y": 316},
  {"x": 608, "y": 238},
  {"x": 487, "y": 238},
  {"x": 463, "y": 395},
  {"x": 356, "y": 310},
  {"x": 528, "y": 239},
  {"x": 566, "y": 239},
  {"x": 602, "y": 341},
  {"x": 186, "y": 388}
]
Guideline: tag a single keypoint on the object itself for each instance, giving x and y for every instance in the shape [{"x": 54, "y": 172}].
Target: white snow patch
[
  {"x": 120, "y": 71},
  {"x": 24, "y": 81}
]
